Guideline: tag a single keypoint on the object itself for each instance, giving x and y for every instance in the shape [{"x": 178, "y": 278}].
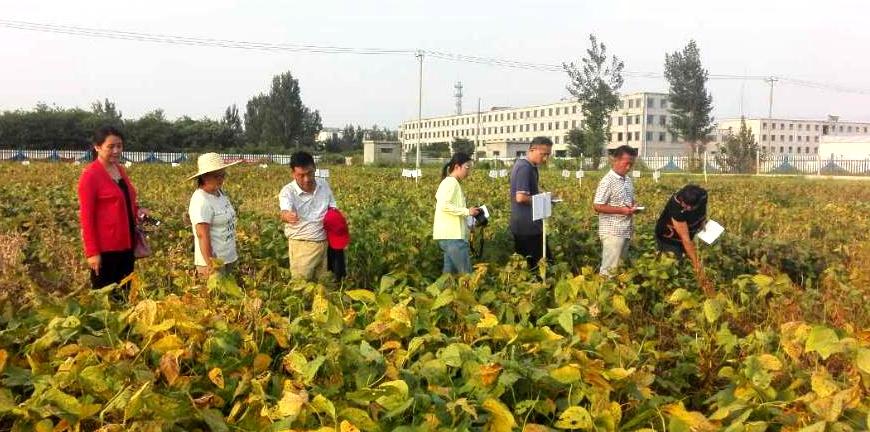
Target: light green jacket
[{"x": 450, "y": 211}]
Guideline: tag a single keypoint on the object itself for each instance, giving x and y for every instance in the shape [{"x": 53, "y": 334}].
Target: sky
[{"x": 812, "y": 41}]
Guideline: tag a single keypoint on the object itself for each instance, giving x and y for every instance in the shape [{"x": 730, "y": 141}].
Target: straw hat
[{"x": 209, "y": 162}]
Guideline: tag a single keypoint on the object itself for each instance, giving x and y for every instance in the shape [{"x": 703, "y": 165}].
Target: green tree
[
  {"x": 279, "y": 119},
  {"x": 232, "y": 134},
  {"x": 463, "y": 145},
  {"x": 738, "y": 152},
  {"x": 595, "y": 83},
  {"x": 690, "y": 103},
  {"x": 576, "y": 144}
]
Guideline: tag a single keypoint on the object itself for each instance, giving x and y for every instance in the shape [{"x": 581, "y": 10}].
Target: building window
[
  {"x": 841, "y": 128},
  {"x": 550, "y": 111},
  {"x": 650, "y": 102},
  {"x": 650, "y": 119},
  {"x": 817, "y": 128},
  {"x": 649, "y": 136},
  {"x": 573, "y": 124},
  {"x": 637, "y": 136},
  {"x": 534, "y": 127},
  {"x": 764, "y": 137},
  {"x": 556, "y": 140},
  {"x": 663, "y": 120},
  {"x": 664, "y": 103},
  {"x": 574, "y": 109},
  {"x": 637, "y": 119},
  {"x": 631, "y": 103},
  {"x": 386, "y": 149},
  {"x": 782, "y": 126},
  {"x": 807, "y": 150},
  {"x": 619, "y": 136},
  {"x": 638, "y": 103},
  {"x": 628, "y": 136},
  {"x": 791, "y": 126},
  {"x": 799, "y": 150},
  {"x": 662, "y": 136},
  {"x": 799, "y": 138},
  {"x": 800, "y": 126},
  {"x": 865, "y": 129},
  {"x": 764, "y": 125},
  {"x": 550, "y": 126},
  {"x": 619, "y": 120},
  {"x": 628, "y": 120},
  {"x": 566, "y": 125},
  {"x": 781, "y": 149},
  {"x": 782, "y": 138},
  {"x": 790, "y": 138},
  {"x": 621, "y": 104},
  {"x": 817, "y": 139}
]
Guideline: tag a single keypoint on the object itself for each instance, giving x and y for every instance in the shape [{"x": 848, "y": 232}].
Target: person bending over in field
[
  {"x": 213, "y": 218},
  {"x": 108, "y": 211},
  {"x": 450, "y": 228},
  {"x": 304, "y": 203},
  {"x": 683, "y": 216}
]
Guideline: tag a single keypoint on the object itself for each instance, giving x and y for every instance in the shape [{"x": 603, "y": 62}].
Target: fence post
[
  {"x": 705, "y": 166},
  {"x": 819, "y": 167}
]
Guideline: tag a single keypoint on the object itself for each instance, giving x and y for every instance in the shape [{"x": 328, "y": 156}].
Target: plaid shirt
[{"x": 617, "y": 191}]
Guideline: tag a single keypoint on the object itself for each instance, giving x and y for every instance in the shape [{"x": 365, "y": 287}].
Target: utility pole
[
  {"x": 419, "y": 56},
  {"x": 458, "y": 96},
  {"x": 770, "y": 80},
  {"x": 477, "y": 129}
]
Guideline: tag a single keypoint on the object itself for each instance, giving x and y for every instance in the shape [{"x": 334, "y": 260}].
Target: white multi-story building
[
  {"x": 791, "y": 136},
  {"x": 640, "y": 121}
]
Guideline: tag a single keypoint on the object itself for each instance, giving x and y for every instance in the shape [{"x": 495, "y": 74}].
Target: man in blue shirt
[{"x": 528, "y": 234}]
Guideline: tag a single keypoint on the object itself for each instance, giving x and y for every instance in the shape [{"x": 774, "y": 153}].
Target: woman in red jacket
[{"x": 108, "y": 211}]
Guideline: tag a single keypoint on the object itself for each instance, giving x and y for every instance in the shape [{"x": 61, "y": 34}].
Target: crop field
[{"x": 783, "y": 346}]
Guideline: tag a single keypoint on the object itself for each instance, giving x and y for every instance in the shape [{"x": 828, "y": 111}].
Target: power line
[{"x": 325, "y": 49}]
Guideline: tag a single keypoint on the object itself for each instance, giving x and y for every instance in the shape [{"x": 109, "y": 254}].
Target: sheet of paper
[
  {"x": 542, "y": 206},
  {"x": 712, "y": 230},
  {"x": 485, "y": 211}
]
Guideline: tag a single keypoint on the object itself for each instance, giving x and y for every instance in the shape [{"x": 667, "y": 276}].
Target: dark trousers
[
  {"x": 114, "y": 266},
  {"x": 335, "y": 263},
  {"x": 531, "y": 248},
  {"x": 677, "y": 250}
]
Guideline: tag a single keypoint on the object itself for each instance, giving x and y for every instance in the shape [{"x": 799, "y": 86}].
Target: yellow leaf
[
  {"x": 291, "y": 402},
  {"x": 261, "y": 362},
  {"x": 319, "y": 309},
  {"x": 487, "y": 319},
  {"x": 822, "y": 383},
  {"x": 770, "y": 362},
  {"x": 616, "y": 374},
  {"x": 501, "y": 419},
  {"x": 566, "y": 374},
  {"x": 575, "y": 417},
  {"x": 167, "y": 343},
  {"x": 346, "y": 426},
  {"x": 693, "y": 419},
  {"x": 534, "y": 427},
  {"x": 401, "y": 314},
  {"x": 3, "y": 356},
  {"x": 619, "y": 305},
  {"x": 362, "y": 295},
  {"x": 216, "y": 375}
]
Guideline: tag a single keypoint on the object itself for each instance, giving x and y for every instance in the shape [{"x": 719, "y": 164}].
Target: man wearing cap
[{"x": 304, "y": 202}]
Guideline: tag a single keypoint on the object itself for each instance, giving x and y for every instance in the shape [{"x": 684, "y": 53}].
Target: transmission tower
[{"x": 458, "y": 96}]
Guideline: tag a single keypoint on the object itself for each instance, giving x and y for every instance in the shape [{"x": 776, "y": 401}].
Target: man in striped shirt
[{"x": 615, "y": 204}]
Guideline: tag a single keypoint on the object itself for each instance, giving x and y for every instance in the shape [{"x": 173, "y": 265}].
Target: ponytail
[{"x": 458, "y": 158}]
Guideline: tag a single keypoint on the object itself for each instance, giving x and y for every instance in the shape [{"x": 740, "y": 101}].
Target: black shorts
[{"x": 665, "y": 247}]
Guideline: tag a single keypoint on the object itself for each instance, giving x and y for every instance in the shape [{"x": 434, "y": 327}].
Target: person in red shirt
[{"x": 108, "y": 211}]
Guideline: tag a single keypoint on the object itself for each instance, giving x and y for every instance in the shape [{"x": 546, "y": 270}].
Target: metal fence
[{"x": 763, "y": 164}]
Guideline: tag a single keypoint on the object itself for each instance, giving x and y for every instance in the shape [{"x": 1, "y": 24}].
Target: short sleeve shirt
[
  {"x": 524, "y": 178},
  {"x": 311, "y": 208},
  {"x": 220, "y": 216},
  {"x": 694, "y": 219},
  {"x": 617, "y": 191}
]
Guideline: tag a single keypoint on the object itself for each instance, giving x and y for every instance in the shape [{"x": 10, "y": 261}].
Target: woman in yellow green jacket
[{"x": 450, "y": 228}]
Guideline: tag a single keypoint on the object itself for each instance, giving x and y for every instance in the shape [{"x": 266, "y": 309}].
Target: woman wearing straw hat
[{"x": 213, "y": 217}]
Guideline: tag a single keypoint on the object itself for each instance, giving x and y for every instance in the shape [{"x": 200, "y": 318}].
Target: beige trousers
[{"x": 307, "y": 259}]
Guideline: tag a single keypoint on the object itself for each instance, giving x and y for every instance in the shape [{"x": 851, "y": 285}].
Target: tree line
[{"x": 273, "y": 121}]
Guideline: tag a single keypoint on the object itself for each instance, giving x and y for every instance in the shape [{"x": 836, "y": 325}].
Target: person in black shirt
[{"x": 683, "y": 216}]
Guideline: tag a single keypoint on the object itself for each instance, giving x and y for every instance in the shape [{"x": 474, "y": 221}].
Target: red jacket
[{"x": 102, "y": 215}]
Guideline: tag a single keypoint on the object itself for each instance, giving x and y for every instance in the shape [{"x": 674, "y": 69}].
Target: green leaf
[
  {"x": 566, "y": 320},
  {"x": 566, "y": 374},
  {"x": 575, "y": 417},
  {"x": 823, "y": 341},
  {"x": 815, "y": 427},
  {"x": 359, "y": 418},
  {"x": 215, "y": 420},
  {"x": 323, "y": 405},
  {"x": 444, "y": 298},
  {"x": 309, "y": 371}
]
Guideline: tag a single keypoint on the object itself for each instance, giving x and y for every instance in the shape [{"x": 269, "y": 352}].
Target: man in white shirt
[
  {"x": 616, "y": 205},
  {"x": 304, "y": 202}
]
